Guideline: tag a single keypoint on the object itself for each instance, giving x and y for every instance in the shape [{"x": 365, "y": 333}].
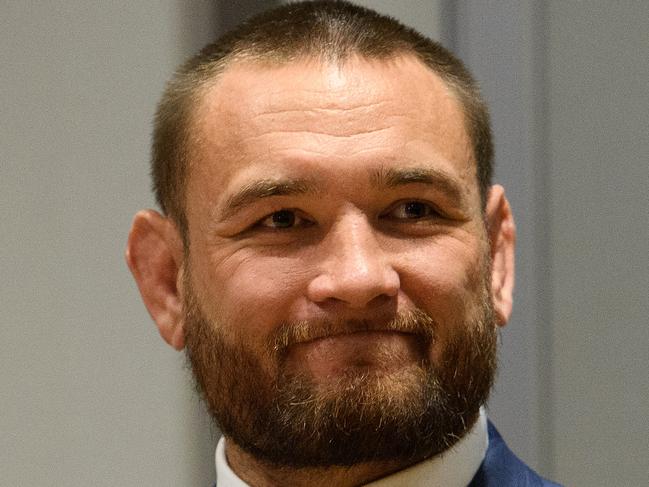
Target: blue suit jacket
[{"x": 501, "y": 468}]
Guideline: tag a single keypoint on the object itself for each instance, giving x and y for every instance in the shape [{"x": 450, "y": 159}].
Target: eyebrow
[
  {"x": 393, "y": 178},
  {"x": 265, "y": 188}
]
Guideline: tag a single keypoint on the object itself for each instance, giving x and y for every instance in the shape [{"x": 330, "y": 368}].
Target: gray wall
[
  {"x": 92, "y": 396},
  {"x": 597, "y": 134}
]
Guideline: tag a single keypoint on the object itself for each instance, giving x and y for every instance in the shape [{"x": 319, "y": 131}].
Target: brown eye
[
  {"x": 412, "y": 210},
  {"x": 285, "y": 220},
  {"x": 280, "y": 219}
]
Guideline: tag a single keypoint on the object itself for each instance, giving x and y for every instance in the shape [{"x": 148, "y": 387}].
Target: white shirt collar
[{"x": 453, "y": 468}]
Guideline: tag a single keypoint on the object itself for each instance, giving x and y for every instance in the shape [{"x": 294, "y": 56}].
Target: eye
[
  {"x": 283, "y": 219},
  {"x": 411, "y": 210}
]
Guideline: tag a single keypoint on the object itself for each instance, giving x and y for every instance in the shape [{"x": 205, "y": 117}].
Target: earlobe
[
  {"x": 502, "y": 240},
  {"x": 154, "y": 255}
]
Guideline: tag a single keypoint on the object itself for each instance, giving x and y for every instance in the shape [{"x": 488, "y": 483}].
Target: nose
[{"x": 355, "y": 271}]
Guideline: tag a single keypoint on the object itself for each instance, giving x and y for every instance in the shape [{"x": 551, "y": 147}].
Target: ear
[
  {"x": 154, "y": 253},
  {"x": 502, "y": 240}
]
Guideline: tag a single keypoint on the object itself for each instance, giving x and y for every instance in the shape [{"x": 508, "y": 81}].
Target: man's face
[{"x": 337, "y": 273}]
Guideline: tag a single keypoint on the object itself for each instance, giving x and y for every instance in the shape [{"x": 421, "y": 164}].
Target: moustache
[{"x": 413, "y": 322}]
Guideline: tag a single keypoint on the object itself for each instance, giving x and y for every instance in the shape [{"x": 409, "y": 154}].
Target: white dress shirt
[{"x": 455, "y": 467}]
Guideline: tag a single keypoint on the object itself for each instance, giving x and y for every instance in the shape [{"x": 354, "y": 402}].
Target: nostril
[{"x": 381, "y": 300}]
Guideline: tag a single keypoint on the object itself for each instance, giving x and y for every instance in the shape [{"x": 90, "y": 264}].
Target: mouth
[
  {"x": 354, "y": 335},
  {"x": 311, "y": 331},
  {"x": 338, "y": 354}
]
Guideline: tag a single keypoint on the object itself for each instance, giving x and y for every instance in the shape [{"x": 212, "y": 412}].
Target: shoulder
[{"x": 501, "y": 467}]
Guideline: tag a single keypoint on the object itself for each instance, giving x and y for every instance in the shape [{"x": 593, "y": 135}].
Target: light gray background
[{"x": 92, "y": 396}]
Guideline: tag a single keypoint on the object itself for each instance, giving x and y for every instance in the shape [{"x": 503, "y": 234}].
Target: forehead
[{"x": 260, "y": 118}]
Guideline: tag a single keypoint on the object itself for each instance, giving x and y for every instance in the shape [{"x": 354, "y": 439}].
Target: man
[{"x": 332, "y": 255}]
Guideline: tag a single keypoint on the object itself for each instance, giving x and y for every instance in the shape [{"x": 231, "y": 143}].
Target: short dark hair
[{"x": 325, "y": 30}]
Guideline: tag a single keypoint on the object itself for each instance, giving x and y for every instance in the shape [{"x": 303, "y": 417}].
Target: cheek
[
  {"x": 253, "y": 294},
  {"x": 441, "y": 270},
  {"x": 446, "y": 283}
]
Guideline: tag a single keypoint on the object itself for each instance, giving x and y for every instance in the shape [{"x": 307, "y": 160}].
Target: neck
[{"x": 262, "y": 474}]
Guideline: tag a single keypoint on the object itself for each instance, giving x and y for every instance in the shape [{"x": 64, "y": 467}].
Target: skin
[{"x": 356, "y": 237}]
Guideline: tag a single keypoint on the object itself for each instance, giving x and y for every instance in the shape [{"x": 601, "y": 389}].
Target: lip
[
  {"x": 355, "y": 335},
  {"x": 414, "y": 326},
  {"x": 338, "y": 353}
]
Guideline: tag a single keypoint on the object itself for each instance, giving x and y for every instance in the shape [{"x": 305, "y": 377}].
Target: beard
[{"x": 287, "y": 418}]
